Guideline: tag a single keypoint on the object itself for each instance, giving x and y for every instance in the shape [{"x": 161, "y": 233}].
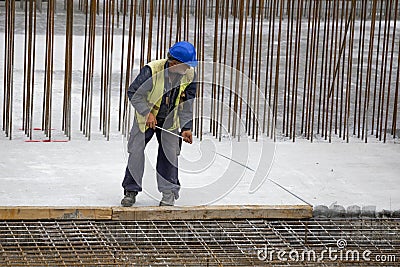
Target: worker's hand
[
  {"x": 151, "y": 121},
  {"x": 187, "y": 136}
]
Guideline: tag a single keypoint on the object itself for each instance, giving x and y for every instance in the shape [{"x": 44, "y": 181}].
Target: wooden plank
[
  {"x": 157, "y": 213},
  {"x": 213, "y": 212},
  {"x": 60, "y": 213}
]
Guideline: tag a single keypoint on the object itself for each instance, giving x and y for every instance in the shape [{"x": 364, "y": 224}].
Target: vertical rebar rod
[
  {"x": 234, "y": 8},
  {"x": 143, "y": 14},
  {"x": 396, "y": 7},
  {"x": 313, "y": 54},
  {"x": 276, "y": 85},
  {"x": 130, "y": 60},
  {"x": 271, "y": 122},
  {"x": 178, "y": 35},
  {"x": 238, "y": 70},
  {"x": 259, "y": 49},
  {"x": 220, "y": 95},
  {"x": 48, "y": 81},
  {"x": 289, "y": 69},
  {"x": 321, "y": 83},
  {"x": 369, "y": 71},
  {"x": 364, "y": 16},
  {"x": 68, "y": 71},
  {"x": 337, "y": 58},
  {"x": 150, "y": 37},
  {"x": 396, "y": 97},
  {"x": 27, "y": 65},
  {"x": 267, "y": 96},
  {"x": 249, "y": 88},
  {"x": 159, "y": 32},
  {"x": 384, "y": 65},
  {"x": 286, "y": 89},
  {"x": 172, "y": 8},
  {"x": 325, "y": 72},
  {"x": 5, "y": 70},
  {"x": 33, "y": 51},
  {"x": 376, "y": 72},
  {"x": 225, "y": 45},
  {"x": 296, "y": 71},
  {"x": 334, "y": 61},
  {"x": 202, "y": 66},
  {"x": 354, "y": 97},
  {"x": 121, "y": 80},
  {"x": 306, "y": 71},
  {"x": 109, "y": 71},
  {"x": 343, "y": 18},
  {"x": 241, "y": 70},
  {"x": 381, "y": 89},
  {"x": 214, "y": 113},
  {"x": 315, "y": 70},
  {"x": 350, "y": 68},
  {"x": 9, "y": 69}
]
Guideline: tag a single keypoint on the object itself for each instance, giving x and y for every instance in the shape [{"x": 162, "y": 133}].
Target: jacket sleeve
[
  {"x": 139, "y": 90},
  {"x": 186, "y": 113}
]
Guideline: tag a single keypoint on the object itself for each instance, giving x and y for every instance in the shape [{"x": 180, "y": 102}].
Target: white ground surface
[{"x": 90, "y": 173}]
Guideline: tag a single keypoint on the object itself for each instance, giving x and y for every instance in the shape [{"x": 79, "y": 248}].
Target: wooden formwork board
[
  {"x": 158, "y": 213},
  {"x": 59, "y": 213},
  {"x": 213, "y": 212}
]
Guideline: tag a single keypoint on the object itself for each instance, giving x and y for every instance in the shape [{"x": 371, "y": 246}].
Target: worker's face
[{"x": 177, "y": 67}]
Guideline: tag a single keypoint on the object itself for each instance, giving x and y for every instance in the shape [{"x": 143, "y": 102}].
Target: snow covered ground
[{"x": 86, "y": 173}]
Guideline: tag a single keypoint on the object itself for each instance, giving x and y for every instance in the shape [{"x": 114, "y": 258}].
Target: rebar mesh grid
[{"x": 200, "y": 243}]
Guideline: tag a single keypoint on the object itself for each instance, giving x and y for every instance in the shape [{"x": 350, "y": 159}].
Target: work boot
[
  {"x": 168, "y": 199},
  {"x": 129, "y": 198}
]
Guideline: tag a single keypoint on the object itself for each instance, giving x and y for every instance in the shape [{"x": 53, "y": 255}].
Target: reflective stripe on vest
[{"x": 154, "y": 97}]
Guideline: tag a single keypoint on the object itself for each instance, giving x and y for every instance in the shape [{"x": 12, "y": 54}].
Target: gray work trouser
[{"x": 167, "y": 160}]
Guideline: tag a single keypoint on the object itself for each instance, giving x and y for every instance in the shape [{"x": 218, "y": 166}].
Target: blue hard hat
[{"x": 184, "y": 52}]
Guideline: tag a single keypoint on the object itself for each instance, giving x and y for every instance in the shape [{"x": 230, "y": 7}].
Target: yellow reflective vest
[{"x": 154, "y": 97}]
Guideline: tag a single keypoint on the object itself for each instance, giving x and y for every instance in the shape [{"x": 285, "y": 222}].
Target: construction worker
[{"x": 162, "y": 95}]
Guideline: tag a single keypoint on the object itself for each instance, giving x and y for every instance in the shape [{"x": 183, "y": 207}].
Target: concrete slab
[{"x": 82, "y": 173}]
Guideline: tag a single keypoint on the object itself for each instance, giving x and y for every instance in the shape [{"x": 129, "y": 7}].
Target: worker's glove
[{"x": 187, "y": 136}]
